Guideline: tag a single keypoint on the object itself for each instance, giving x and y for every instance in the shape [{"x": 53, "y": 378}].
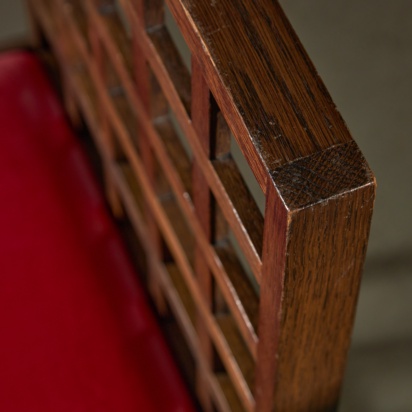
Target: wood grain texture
[
  {"x": 202, "y": 200},
  {"x": 242, "y": 201},
  {"x": 151, "y": 11},
  {"x": 270, "y": 93},
  {"x": 322, "y": 176},
  {"x": 241, "y": 286},
  {"x": 284, "y": 350},
  {"x": 105, "y": 129},
  {"x": 314, "y": 250},
  {"x": 175, "y": 151},
  {"x": 155, "y": 106},
  {"x": 220, "y": 194},
  {"x": 174, "y": 64}
]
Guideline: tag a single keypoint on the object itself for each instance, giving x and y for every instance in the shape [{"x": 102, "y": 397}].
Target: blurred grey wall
[{"x": 13, "y": 24}]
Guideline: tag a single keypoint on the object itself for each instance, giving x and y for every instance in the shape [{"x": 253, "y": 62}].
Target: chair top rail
[{"x": 264, "y": 82}]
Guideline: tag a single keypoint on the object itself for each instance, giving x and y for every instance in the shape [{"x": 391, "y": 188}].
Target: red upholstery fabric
[{"x": 76, "y": 333}]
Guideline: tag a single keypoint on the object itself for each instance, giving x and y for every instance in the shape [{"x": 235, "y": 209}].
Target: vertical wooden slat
[
  {"x": 202, "y": 122},
  {"x": 150, "y": 14},
  {"x": 98, "y": 55},
  {"x": 220, "y": 149},
  {"x": 273, "y": 258}
]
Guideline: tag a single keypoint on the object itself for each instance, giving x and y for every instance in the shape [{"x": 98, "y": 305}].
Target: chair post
[
  {"x": 202, "y": 121},
  {"x": 318, "y": 215}
]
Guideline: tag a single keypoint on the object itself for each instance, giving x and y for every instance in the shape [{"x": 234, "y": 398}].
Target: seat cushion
[{"x": 76, "y": 330}]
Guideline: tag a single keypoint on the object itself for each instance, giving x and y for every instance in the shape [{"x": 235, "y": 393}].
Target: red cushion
[{"x": 76, "y": 331}]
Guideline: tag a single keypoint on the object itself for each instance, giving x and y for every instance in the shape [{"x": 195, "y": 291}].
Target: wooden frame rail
[{"x": 266, "y": 302}]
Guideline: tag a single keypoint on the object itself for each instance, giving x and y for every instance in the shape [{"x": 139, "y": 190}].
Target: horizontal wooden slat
[
  {"x": 118, "y": 46},
  {"x": 238, "y": 348},
  {"x": 183, "y": 291},
  {"x": 175, "y": 150},
  {"x": 168, "y": 136},
  {"x": 224, "y": 392},
  {"x": 78, "y": 22},
  {"x": 231, "y": 402},
  {"x": 125, "y": 112},
  {"x": 213, "y": 180},
  {"x": 114, "y": 26},
  {"x": 227, "y": 399},
  {"x": 171, "y": 59},
  {"x": 179, "y": 191},
  {"x": 131, "y": 186},
  {"x": 241, "y": 285},
  {"x": 180, "y": 227},
  {"x": 76, "y": 9},
  {"x": 248, "y": 212},
  {"x": 216, "y": 334},
  {"x": 182, "y": 304},
  {"x": 86, "y": 95}
]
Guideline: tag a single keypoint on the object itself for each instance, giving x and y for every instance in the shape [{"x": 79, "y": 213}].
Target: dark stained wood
[
  {"x": 284, "y": 349},
  {"x": 313, "y": 255},
  {"x": 220, "y": 194},
  {"x": 236, "y": 306},
  {"x": 151, "y": 11},
  {"x": 240, "y": 284},
  {"x": 125, "y": 112},
  {"x": 76, "y": 9},
  {"x": 270, "y": 93},
  {"x": 239, "y": 350},
  {"x": 113, "y": 26},
  {"x": 105, "y": 128},
  {"x": 231, "y": 402},
  {"x": 143, "y": 80},
  {"x": 175, "y": 151},
  {"x": 127, "y": 183},
  {"x": 202, "y": 121},
  {"x": 174, "y": 64},
  {"x": 118, "y": 45},
  {"x": 242, "y": 201},
  {"x": 180, "y": 227},
  {"x": 221, "y": 387},
  {"x": 271, "y": 295},
  {"x": 183, "y": 292}
]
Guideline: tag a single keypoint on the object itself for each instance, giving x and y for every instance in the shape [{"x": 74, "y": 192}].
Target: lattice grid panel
[{"x": 166, "y": 149}]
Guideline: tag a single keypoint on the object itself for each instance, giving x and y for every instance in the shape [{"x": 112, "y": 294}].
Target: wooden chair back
[{"x": 264, "y": 294}]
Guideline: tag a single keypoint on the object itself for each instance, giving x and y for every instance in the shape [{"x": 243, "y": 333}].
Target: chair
[{"x": 263, "y": 294}]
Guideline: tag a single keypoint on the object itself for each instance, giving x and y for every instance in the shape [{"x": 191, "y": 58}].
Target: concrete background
[{"x": 363, "y": 51}]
